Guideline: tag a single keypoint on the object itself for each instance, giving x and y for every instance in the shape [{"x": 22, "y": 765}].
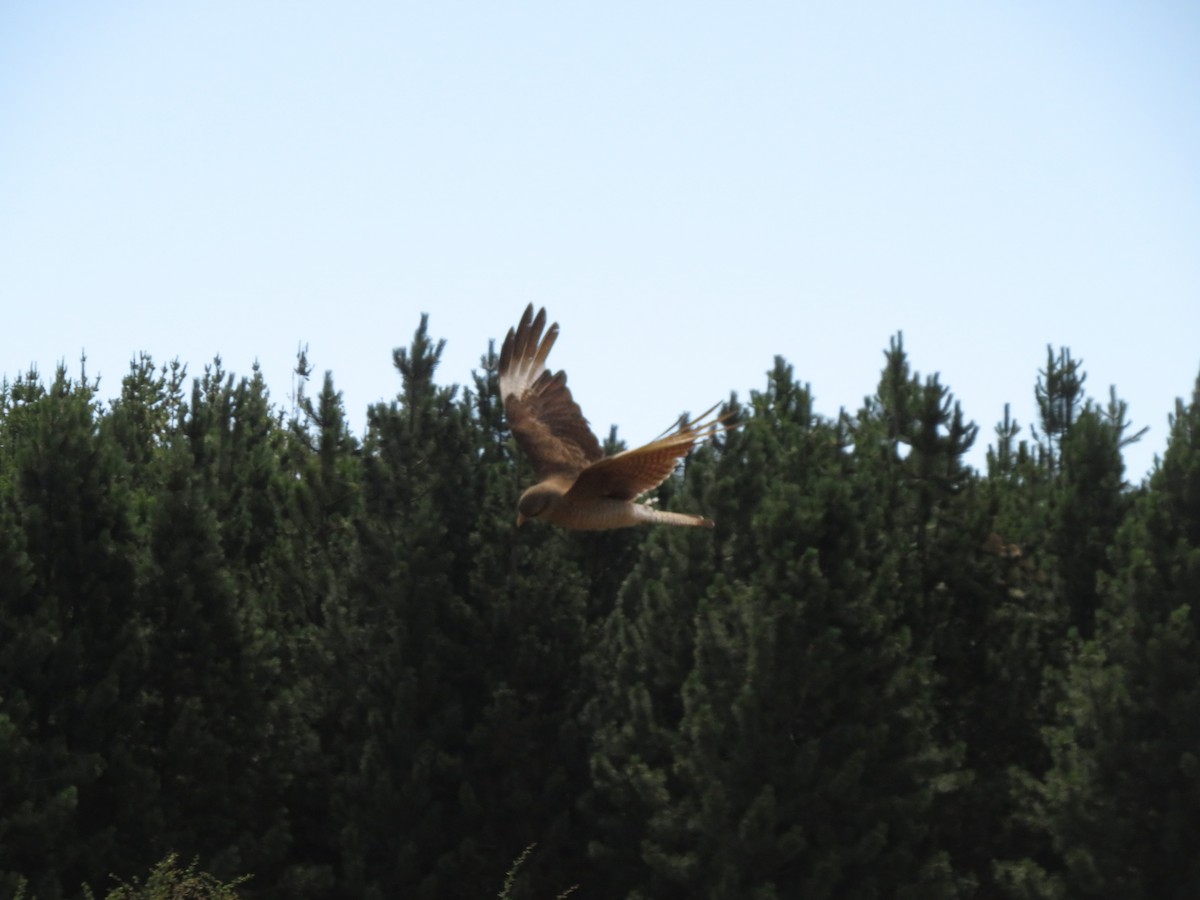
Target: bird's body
[
  {"x": 580, "y": 487},
  {"x": 551, "y": 501}
]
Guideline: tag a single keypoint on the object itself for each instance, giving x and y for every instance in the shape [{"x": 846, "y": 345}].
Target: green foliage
[
  {"x": 1121, "y": 798},
  {"x": 272, "y": 646},
  {"x": 170, "y": 881},
  {"x": 510, "y": 878}
]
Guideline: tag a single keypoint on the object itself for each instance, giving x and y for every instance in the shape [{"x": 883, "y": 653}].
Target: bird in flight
[{"x": 580, "y": 487}]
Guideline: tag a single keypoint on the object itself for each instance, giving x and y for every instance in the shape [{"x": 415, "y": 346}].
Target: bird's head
[{"x": 536, "y": 501}]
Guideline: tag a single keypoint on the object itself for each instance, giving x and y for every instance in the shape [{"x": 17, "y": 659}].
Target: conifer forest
[{"x": 233, "y": 630}]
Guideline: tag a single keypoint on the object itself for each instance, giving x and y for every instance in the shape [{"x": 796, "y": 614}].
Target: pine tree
[
  {"x": 1081, "y": 444},
  {"x": 525, "y": 761},
  {"x": 31, "y": 817},
  {"x": 315, "y": 569},
  {"x": 411, "y": 679},
  {"x": 915, "y": 439},
  {"x": 72, "y": 659},
  {"x": 781, "y": 745},
  {"x": 148, "y": 409},
  {"x": 199, "y": 704},
  {"x": 1091, "y": 504},
  {"x": 642, "y": 652},
  {"x": 1060, "y": 397},
  {"x": 221, "y": 729},
  {"x": 1121, "y": 802}
]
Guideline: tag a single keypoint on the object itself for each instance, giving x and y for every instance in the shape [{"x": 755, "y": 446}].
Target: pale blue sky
[{"x": 689, "y": 188}]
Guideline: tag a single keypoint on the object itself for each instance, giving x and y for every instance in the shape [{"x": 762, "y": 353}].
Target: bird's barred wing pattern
[
  {"x": 629, "y": 474},
  {"x": 544, "y": 418}
]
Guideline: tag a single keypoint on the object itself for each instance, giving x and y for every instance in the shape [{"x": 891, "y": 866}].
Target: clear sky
[{"x": 689, "y": 188}]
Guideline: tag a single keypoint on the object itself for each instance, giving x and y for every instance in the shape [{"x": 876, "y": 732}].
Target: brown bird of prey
[{"x": 580, "y": 487}]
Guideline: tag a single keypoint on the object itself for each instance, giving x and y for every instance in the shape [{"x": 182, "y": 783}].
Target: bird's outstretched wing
[
  {"x": 630, "y": 473},
  {"x": 544, "y": 418}
]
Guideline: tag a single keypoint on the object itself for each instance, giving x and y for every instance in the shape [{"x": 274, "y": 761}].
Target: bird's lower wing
[{"x": 628, "y": 474}]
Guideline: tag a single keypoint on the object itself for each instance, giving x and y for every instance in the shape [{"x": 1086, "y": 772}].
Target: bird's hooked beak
[{"x": 521, "y": 520}]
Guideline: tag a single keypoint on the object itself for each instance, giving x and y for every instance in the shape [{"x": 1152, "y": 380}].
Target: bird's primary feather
[{"x": 544, "y": 417}]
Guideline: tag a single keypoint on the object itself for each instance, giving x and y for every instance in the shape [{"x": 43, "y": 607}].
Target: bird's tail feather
[{"x": 662, "y": 517}]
